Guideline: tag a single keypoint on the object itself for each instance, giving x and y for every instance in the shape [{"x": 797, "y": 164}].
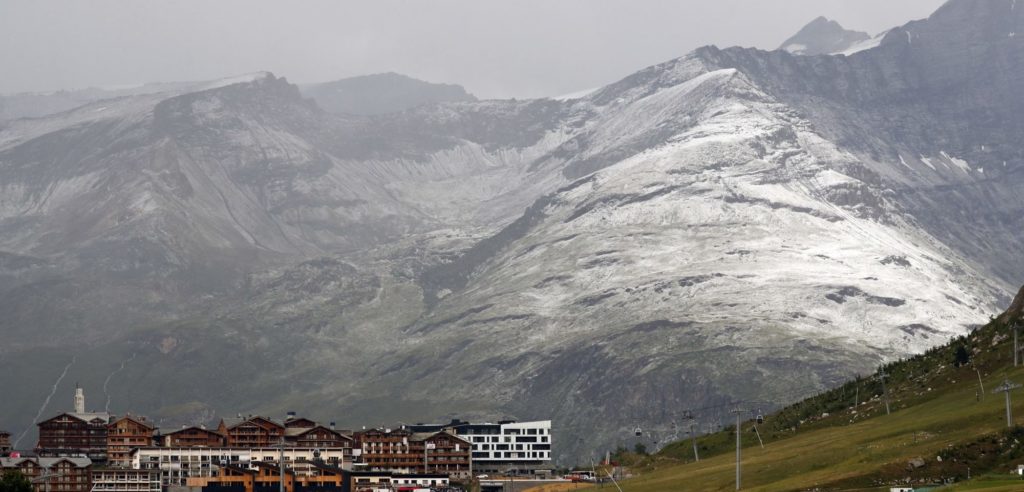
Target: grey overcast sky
[{"x": 512, "y": 48}]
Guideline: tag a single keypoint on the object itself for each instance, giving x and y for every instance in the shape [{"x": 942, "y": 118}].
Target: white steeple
[{"x": 79, "y": 400}]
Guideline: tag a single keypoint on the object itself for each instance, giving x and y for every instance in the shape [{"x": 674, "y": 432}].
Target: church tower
[{"x": 79, "y": 400}]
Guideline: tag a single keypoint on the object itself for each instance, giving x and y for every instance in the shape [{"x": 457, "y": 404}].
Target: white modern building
[
  {"x": 388, "y": 482},
  {"x": 178, "y": 464},
  {"x": 507, "y": 446},
  {"x": 122, "y": 480}
]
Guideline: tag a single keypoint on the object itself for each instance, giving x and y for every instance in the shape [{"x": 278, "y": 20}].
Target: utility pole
[
  {"x": 693, "y": 437},
  {"x": 739, "y": 444},
  {"x": 280, "y": 463},
  {"x": 688, "y": 415},
  {"x": 1006, "y": 388},
  {"x": 885, "y": 393}
]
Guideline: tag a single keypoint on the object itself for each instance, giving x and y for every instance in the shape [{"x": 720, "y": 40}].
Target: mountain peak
[{"x": 822, "y": 36}]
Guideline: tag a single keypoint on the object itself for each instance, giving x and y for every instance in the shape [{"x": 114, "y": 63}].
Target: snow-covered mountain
[
  {"x": 730, "y": 224},
  {"x": 823, "y": 37}
]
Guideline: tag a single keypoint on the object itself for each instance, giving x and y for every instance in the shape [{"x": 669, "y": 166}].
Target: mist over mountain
[
  {"x": 381, "y": 94},
  {"x": 730, "y": 224},
  {"x": 34, "y": 105}
]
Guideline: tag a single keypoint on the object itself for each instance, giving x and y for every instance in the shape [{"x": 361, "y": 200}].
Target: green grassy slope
[{"x": 939, "y": 415}]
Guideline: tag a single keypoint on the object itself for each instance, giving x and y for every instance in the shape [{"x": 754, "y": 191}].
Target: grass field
[
  {"x": 936, "y": 412},
  {"x": 561, "y": 487}
]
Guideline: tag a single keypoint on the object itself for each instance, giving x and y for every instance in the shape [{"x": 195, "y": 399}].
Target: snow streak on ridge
[
  {"x": 106, "y": 408},
  {"x": 42, "y": 409}
]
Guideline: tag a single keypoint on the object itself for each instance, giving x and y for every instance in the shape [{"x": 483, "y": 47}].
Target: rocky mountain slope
[{"x": 731, "y": 224}]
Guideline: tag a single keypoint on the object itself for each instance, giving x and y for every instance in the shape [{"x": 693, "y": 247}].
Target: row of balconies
[{"x": 127, "y": 488}]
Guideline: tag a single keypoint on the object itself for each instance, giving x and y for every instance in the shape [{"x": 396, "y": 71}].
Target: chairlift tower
[
  {"x": 739, "y": 444},
  {"x": 1006, "y": 388}
]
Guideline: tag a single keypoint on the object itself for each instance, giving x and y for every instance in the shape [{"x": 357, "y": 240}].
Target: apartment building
[
  {"x": 195, "y": 436},
  {"x": 317, "y": 436},
  {"x": 5, "y": 441},
  {"x": 251, "y": 432},
  {"x": 177, "y": 465},
  {"x": 266, "y": 476},
  {"x": 369, "y": 481},
  {"x": 403, "y": 451},
  {"x": 75, "y": 433},
  {"x": 125, "y": 480}
]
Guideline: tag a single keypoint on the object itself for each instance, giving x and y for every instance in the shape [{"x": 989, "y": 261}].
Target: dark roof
[
  {"x": 193, "y": 427},
  {"x": 232, "y": 422},
  {"x": 77, "y": 461},
  {"x": 386, "y": 431},
  {"x": 84, "y": 417},
  {"x": 460, "y": 425},
  {"x": 270, "y": 466},
  {"x": 138, "y": 420},
  {"x": 299, "y": 422},
  {"x": 423, "y": 436},
  {"x": 300, "y": 431}
]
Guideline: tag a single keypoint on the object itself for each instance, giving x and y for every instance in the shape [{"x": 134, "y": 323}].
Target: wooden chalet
[
  {"x": 74, "y": 433},
  {"x": 403, "y": 451},
  {"x": 124, "y": 435},
  {"x": 69, "y": 474},
  {"x": 317, "y": 436},
  {"x": 251, "y": 432}
]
